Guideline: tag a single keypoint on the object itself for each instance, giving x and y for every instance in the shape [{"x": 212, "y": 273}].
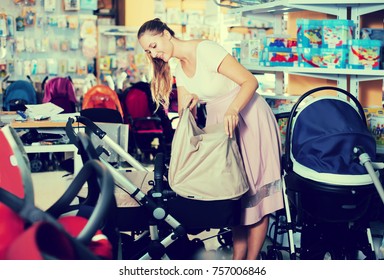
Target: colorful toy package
[
  {"x": 281, "y": 104},
  {"x": 364, "y": 54},
  {"x": 286, "y": 58},
  {"x": 322, "y": 57},
  {"x": 374, "y": 34},
  {"x": 251, "y": 51},
  {"x": 375, "y": 121},
  {"x": 280, "y": 51},
  {"x": 309, "y": 33},
  {"x": 337, "y": 32}
]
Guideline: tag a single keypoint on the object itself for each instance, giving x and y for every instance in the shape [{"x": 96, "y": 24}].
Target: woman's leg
[
  {"x": 256, "y": 237},
  {"x": 239, "y": 236}
]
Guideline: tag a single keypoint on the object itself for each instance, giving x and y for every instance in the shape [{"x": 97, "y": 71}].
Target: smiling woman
[{"x": 208, "y": 74}]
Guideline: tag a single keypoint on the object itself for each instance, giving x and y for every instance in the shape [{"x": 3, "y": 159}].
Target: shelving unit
[{"x": 273, "y": 11}]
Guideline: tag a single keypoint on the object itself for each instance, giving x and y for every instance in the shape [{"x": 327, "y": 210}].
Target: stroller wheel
[
  {"x": 225, "y": 237},
  {"x": 263, "y": 255},
  {"x": 274, "y": 254},
  {"x": 36, "y": 165},
  {"x": 224, "y": 253}
]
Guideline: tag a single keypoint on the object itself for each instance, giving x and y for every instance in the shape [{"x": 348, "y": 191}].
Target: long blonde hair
[{"x": 161, "y": 84}]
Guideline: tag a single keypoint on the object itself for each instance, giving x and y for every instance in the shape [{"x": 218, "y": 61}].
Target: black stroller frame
[
  {"x": 164, "y": 208},
  {"x": 295, "y": 221},
  {"x": 152, "y": 202}
]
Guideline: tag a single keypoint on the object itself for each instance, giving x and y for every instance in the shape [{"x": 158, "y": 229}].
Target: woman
[{"x": 208, "y": 73}]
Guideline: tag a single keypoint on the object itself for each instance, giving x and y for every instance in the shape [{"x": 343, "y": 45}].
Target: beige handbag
[{"x": 205, "y": 163}]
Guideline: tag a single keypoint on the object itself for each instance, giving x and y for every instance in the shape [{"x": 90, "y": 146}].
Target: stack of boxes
[
  {"x": 280, "y": 51},
  {"x": 328, "y": 43},
  {"x": 323, "y": 43}
]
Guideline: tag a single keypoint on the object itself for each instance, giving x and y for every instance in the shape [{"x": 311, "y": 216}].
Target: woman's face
[{"x": 157, "y": 46}]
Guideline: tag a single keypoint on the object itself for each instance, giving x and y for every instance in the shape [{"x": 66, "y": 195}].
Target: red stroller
[
  {"x": 146, "y": 124},
  {"x": 29, "y": 233}
]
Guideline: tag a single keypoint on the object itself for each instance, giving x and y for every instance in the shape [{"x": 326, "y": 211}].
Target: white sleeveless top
[{"x": 206, "y": 83}]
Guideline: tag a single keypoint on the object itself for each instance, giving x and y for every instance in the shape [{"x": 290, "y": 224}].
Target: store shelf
[
  {"x": 326, "y": 71},
  {"x": 323, "y": 6},
  {"x": 346, "y": 78}
]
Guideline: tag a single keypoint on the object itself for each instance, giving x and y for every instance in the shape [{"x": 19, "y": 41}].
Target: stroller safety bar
[
  {"x": 103, "y": 136},
  {"x": 365, "y": 161}
]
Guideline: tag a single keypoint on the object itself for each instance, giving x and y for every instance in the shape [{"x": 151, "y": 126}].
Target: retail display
[
  {"x": 46, "y": 38},
  {"x": 346, "y": 79}
]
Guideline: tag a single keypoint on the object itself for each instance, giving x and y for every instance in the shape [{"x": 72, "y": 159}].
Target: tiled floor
[{"x": 49, "y": 186}]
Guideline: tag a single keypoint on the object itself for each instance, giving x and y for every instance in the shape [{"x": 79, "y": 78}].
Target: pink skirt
[{"x": 260, "y": 146}]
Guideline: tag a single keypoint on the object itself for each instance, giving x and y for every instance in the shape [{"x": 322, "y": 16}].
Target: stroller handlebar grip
[
  {"x": 158, "y": 172},
  {"x": 87, "y": 122}
]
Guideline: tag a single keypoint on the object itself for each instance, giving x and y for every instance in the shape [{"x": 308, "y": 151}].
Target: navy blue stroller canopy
[
  {"x": 324, "y": 133},
  {"x": 19, "y": 91}
]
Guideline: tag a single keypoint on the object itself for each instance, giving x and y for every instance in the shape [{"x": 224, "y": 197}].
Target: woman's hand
[
  {"x": 189, "y": 101},
  {"x": 231, "y": 119}
]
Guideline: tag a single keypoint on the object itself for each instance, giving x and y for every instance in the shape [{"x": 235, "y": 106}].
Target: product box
[
  {"x": 285, "y": 57},
  {"x": 236, "y": 53},
  {"x": 276, "y": 42},
  {"x": 375, "y": 122},
  {"x": 281, "y": 104},
  {"x": 251, "y": 51},
  {"x": 374, "y": 34},
  {"x": 309, "y": 33},
  {"x": 322, "y": 57},
  {"x": 337, "y": 32},
  {"x": 364, "y": 54}
]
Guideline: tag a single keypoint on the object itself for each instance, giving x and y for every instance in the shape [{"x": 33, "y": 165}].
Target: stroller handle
[
  {"x": 87, "y": 122},
  {"x": 287, "y": 161},
  {"x": 30, "y": 213},
  {"x": 90, "y": 169}
]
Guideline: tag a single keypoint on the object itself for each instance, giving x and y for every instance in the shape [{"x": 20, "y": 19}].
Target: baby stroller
[
  {"x": 61, "y": 92},
  {"x": 146, "y": 124},
  {"x": 30, "y": 233},
  {"x": 329, "y": 182},
  {"x": 151, "y": 211},
  {"x": 18, "y": 94},
  {"x": 102, "y": 96}
]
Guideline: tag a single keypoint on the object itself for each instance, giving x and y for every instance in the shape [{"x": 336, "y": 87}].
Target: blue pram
[{"x": 329, "y": 179}]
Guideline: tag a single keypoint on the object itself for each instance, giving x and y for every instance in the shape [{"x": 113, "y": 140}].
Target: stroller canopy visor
[{"x": 324, "y": 133}]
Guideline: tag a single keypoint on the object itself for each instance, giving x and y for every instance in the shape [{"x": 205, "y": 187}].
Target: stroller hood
[
  {"x": 324, "y": 133},
  {"x": 19, "y": 90}
]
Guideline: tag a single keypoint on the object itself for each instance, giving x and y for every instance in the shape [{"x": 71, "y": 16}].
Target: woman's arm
[
  {"x": 231, "y": 68},
  {"x": 184, "y": 98}
]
